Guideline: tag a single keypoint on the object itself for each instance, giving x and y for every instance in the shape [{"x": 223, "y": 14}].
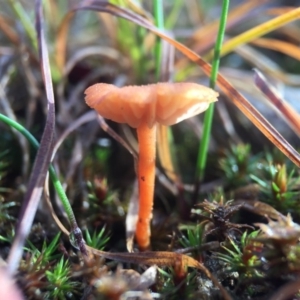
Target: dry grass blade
[
  {"x": 6, "y": 28},
  {"x": 80, "y": 54},
  {"x": 163, "y": 143},
  {"x": 61, "y": 42},
  {"x": 7, "y": 108},
  {"x": 266, "y": 64},
  {"x": 98, "y": 5},
  {"x": 132, "y": 216},
  {"x": 280, "y": 46},
  {"x": 260, "y": 30},
  {"x": 249, "y": 111},
  {"x": 164, "y": 153},
  {"x": 205, "y": 37},
  {"x": 117, "y": 137},
  {"x": 87, "y": 117},
  {"x": 275, "y": 11},
  {"x": 161, "y": 259},
  {"x": 137, "y": 8},
  {"x": 241, "y": 102},
  {"x": 51, "y": 209},
  {"x": 227, "y": 122},
  {"x": 43, "y": 157},
  {"x": 289, "y": 114},
  {"x": 259, "y": 121},
  {"x": 109, "y": 23}
]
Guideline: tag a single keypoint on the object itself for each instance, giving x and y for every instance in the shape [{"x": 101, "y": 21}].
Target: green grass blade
[
  {"x": 159, "y": 22},
  {"x": 202, "y": 154},
  {"x": 173, "y": 15},
  {"x": 57, "y": 185},
  {"x": 25, "y": 20}
]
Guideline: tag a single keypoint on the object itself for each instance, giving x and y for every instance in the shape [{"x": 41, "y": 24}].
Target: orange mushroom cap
[{"x": 165, "y": 103}]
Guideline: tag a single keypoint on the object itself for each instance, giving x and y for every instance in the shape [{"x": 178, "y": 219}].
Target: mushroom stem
[
  {"x": 143, "y": 107},
  {"x": 146, "y": 178}
]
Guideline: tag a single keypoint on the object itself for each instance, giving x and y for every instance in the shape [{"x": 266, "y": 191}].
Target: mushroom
[{"x": 142, "y": 107}]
